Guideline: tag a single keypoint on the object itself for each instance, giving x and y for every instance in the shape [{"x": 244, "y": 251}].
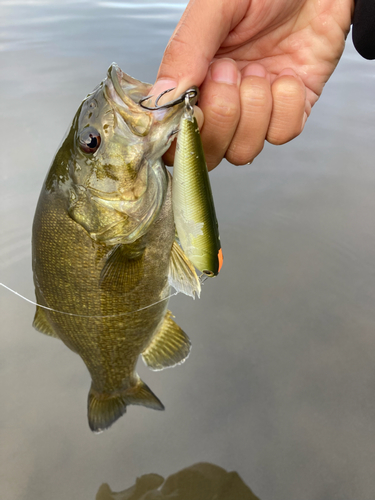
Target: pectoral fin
[
  {"x": 182, "y": 275},
  {"x": 42, "y": 324},
  {"x": 120, "y": 272},
  {"x": 169, "y": 347}
]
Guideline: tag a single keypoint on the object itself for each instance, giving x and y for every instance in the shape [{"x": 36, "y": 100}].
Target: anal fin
[
  {"x": 182, "y": 275},
  {"x": 121, "y": 271},
  {"x": 169, "y": 347},
  {"x": 42, "y": 324}
]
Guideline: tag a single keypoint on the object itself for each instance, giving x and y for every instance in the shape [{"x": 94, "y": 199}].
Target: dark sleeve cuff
[{"x": 363, "y": 30}]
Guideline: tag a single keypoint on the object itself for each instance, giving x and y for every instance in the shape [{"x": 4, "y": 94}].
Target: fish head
[
  {"x": 109, "y": 167},
  {"x": 117, "y": 141}
]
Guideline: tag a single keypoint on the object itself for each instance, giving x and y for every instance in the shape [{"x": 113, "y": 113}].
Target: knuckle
[
  {"x": 288, "y": 110},
  {"x": 237, "y": 160},
  {"x": 255, "y": 92},
  {"x": 223, "y": 109},
  {"x": 287, "y": 87},
  {"x": 288, "y": 93},
  {"x": 212, "y": 161},
  {"x": 278, "y": 135},
  {"x": 177, "y": 45}
]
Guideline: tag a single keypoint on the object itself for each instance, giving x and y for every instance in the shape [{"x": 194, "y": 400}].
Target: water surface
[{"x": 280, "y": 383}]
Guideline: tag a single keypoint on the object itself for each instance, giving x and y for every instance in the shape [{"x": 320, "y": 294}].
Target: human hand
[{"x": 260, "y": 64}]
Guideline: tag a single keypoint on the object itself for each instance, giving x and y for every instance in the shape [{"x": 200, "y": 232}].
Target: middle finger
[{"x": 220, "y": 103}]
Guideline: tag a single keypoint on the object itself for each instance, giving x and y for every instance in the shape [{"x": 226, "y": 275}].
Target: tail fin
[{"x": 104, "y": 409}]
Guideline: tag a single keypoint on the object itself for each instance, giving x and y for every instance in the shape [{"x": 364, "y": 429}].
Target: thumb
[{"x": 195, "y": 41}]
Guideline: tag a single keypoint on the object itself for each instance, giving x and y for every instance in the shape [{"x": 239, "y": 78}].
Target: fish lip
[
  {"x": 114, "y": 74},
  {"x": 131, "y": 92},
  {"x": 123, "y": 94},
  {"x": 127, "y": 88}
]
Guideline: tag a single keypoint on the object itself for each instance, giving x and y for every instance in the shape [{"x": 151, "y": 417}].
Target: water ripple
[{"x": 14, "y": 252}]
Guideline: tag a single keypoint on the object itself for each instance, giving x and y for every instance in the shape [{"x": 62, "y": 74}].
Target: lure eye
[
  {"x": 89, "y": 140},
  {"x": 208, "y": 273}
]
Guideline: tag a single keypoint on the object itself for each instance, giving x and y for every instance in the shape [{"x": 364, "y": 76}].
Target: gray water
[{"x": 280, "y": 384}]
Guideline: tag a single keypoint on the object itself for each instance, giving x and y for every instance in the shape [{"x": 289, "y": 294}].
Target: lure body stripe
[{"x": 193, "y": 204}]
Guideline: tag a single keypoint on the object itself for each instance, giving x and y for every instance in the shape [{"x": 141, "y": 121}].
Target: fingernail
[
  {"x": 254, "y": 70},
  {"x": 225, "y": 71},
  {"x": 199, "y": 116}
]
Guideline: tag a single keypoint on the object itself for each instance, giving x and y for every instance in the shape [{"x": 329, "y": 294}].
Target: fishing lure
[{"x": 192, "y": 200}]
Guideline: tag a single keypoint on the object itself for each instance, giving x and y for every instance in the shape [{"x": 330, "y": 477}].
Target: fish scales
[{"x": 99, "y": 341}]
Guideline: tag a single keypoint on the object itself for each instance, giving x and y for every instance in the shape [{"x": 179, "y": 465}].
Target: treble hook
[{"x": 190, "y": 94}]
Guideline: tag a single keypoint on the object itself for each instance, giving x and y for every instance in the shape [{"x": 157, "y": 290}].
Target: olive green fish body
[
  {"x": 103, "y": 244},
  {"x": 109, "y": 331},
  {"x": 193, "y": 204}
]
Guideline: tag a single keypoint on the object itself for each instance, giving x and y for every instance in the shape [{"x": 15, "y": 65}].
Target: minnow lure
[{"x": 192, "y": 201}]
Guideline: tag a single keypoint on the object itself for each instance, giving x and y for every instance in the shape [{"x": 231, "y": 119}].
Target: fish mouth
[
  {"x": 123, "y": 93},
  {"x": 128, "y": 89}
]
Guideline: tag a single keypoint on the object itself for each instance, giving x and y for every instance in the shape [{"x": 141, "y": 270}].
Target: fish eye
[{"x": 89, "y": 140}]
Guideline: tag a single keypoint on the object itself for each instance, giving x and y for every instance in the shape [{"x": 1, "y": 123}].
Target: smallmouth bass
[{"x": 104, "y": 250}]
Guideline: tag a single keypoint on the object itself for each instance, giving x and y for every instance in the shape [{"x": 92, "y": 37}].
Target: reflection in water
[
  {"x": 104, "y": 250},
  {"x": 202, "y": 481}
]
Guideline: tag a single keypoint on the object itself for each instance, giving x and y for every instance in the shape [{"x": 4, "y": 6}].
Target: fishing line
[
  {"x": 83, "y": 315},
  {"x": 202, "y": 278}
]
